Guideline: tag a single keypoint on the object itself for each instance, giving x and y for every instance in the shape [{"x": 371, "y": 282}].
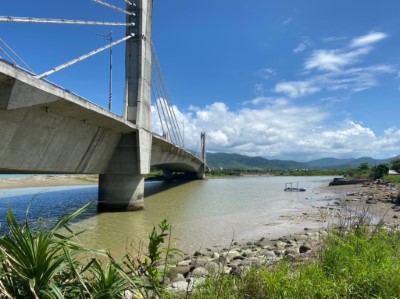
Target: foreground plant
[{"x": 33, "y": 260}]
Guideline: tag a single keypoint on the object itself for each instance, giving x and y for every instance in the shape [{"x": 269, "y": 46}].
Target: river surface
[{"x": 204, "y": 213}]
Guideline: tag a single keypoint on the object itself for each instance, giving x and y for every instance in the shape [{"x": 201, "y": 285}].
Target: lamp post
[{"x": 109, "y": 38}]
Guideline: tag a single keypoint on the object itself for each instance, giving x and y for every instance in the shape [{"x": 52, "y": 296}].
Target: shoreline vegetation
[{"x": 357, "y": 255}]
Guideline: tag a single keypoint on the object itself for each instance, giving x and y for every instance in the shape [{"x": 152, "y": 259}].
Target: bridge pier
[{"x": 120, "y": 192}]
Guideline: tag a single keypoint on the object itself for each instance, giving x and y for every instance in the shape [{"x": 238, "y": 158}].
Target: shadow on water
[
  {"x": 49, "y": 204},
  {"x": 153, "y": 187}
]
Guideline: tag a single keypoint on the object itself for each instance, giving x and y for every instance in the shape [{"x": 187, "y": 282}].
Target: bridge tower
[{"x": 121, "y": 187}]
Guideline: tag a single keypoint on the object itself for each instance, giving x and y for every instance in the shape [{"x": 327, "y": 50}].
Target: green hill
[{"x": 236, "y": 161}]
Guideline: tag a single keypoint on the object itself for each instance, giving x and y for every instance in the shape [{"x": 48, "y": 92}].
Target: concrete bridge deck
[{"x": 47, "y": 129}]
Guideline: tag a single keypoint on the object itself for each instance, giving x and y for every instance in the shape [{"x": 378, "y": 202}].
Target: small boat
[{"x": 289, "y": 187}]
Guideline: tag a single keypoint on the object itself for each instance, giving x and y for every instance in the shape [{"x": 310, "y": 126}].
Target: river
[{"x": 204, "y": 213}]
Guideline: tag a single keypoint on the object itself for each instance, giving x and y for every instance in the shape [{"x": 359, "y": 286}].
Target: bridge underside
[{"x": 47, "y": 129}]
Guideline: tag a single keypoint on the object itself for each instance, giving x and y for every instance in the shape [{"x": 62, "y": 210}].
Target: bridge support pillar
[{"x": 120, "y": 192}]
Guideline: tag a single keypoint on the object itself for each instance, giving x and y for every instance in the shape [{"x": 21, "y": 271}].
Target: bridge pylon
[{"x": 121, "y": 187}]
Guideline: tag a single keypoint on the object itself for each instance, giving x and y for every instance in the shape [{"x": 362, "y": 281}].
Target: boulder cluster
[
  {"x": 373, "y": 193},
  {"x": 194, "y": 269}
]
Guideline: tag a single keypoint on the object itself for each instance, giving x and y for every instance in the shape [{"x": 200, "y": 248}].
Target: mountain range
[{"x": 236, "y": 161}]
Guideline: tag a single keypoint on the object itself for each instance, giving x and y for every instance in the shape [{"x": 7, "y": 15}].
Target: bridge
[{"x": 47, "y": 129}]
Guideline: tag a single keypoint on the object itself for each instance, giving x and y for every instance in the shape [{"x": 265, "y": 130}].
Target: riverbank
[
  {"x": 48, "y": 181},
  {"x": 371, "y": 203}
]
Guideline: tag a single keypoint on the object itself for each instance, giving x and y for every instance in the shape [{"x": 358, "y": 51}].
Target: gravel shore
[{"x": 379, "y": 202}]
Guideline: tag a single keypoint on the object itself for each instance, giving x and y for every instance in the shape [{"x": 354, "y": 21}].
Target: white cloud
[
  {"x": 275, "y": 128},
  {"x": 283, "y": 132},
  {"x": 296, "y": 89},
  {"x": 267, "y": 73},
  {"x": 287, "y": 21},
  {"x": 334, "y": 60},
  {"x": 303, "y": 45},
  {"x": 337, "y": 59},
  {"x": 366, "y": 40}
]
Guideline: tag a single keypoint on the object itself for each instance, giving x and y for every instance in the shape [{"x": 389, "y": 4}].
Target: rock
[
  {"x": 305, "y": 247},
  {"x": 251, "y": 254},
  {"x": 200, "y": 271},
  {"x": 184, "y": 270},
  {"x": 292, "y": 252},
  {"x": 267, "y": 247},
  {"x": 211, "y": 267},
  {"x": 239, "y": 257},
  {"x": 166, "y": 281},
  {"x": 278, "y": 253},
  {"x": 246, "y": 252},
  {"x": 290, "y": 257},
  {"x": 178, "y": 277},
  {"x": 215, "y": 255},
  {"x": 231, "y": 254},
  {"x": 132, "y": 294},
  {"x": 201, "y": 261},
  {"x": 185, "y": 263},
  {"x": 197, "y": 253},
  {"x": 280, "y": 245},
  {"x": 220, "y": 260},
  {"x": 180, "y": 286},
  {"x": 237, "y": 271},
  {"x": 195, "y": 281}
]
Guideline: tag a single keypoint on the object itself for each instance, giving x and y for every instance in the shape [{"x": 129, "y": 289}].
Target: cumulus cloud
[
  {"x": 273, "y": 125},
  {"x": 283, "y": 132}
]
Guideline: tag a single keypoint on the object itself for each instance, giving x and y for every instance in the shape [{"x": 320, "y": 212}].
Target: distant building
[{"x": 393, "y": 172}]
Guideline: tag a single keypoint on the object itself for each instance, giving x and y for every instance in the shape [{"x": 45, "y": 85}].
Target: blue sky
[{"x": 280, "y": 79}]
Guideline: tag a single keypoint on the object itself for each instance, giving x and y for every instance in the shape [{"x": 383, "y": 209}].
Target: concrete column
[
  {"x": 122, "y": 185},
  {"x": 120, "y": 192}
]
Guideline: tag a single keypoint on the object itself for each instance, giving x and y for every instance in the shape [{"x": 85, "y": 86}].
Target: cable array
[
  {"x": 169, "y": 123},
  {"x": 15, "y": 55},
  {"x": 168, "y": 120}
]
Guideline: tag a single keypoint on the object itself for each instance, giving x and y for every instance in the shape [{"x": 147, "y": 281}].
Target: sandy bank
[{"x": 48, "y": 181}]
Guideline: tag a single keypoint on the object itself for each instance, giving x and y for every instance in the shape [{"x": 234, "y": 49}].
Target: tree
[
  {"x": 396, "y": 165},
  {"x": 378, "y": 171},
  {"x": 363, "y": 166}
]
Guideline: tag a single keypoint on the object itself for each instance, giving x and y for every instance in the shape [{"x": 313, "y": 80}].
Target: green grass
[
  {"x": 357, "y": 264},
  {"x": 394, "y": 179}
]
